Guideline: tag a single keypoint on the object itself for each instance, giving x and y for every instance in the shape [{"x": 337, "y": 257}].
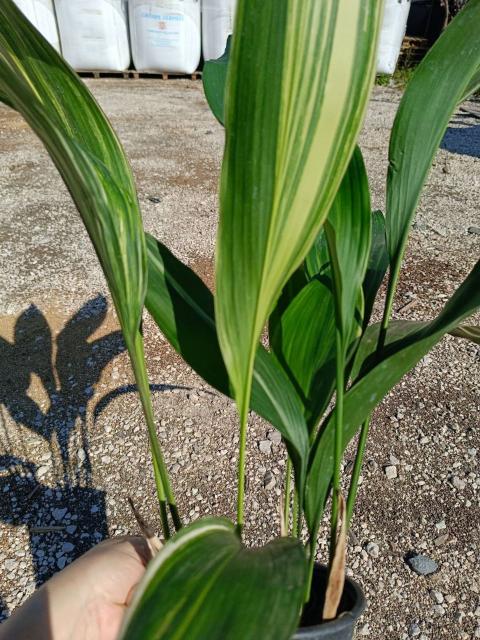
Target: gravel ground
[{"x": 73, "y": 445}]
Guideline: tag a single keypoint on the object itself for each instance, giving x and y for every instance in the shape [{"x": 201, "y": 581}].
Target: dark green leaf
[
  {"x": 206, "y": 584},
  {"x": 348, "y": 232},
  {"x": 405, "y": 346},
  {"x": 377, "y": 264},
  {"x": 182, "y": 306},
  {"x": 467, "y": 333},
  {"x": 440, "y": 82},
  {"x": 214, "y": 81},
  {"x": 317, "y": 262},
  {"x": 304, "y": 341}
]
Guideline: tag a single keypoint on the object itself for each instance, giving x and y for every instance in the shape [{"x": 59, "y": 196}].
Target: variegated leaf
[{"x": 293, "y": 114}]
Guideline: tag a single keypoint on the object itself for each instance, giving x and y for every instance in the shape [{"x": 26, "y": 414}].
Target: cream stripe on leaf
[
  {"x": 37, "y": 82},
  {"x": 293, "y": 114}
]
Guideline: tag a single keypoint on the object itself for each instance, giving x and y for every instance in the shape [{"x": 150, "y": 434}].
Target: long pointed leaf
[
  {"x": 293, "y": 116},
  {"x": 377, "y": 264},
  {"x": 440, "y": 82},
  {"x": 399, "y": 356},
  {"x": 214, "y": 80},
  {"x": 183, "y": 308},
  {"x": 205, "y": 584},
  {"x": 348, "y": 231},
  {"x": 304, "y": 341},
  {"x": 36, "y": 82}
]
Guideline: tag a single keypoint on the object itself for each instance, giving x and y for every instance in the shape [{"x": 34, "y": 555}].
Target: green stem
[
  {"x": 162, "y": 500},
  {"x": 352, "y": 494},
  {"x": 311, "y": 565},
  {"x": 387, "y": 314},
  {"x": 338, "y": 447},
  {"x": 387, "y": 311},
  {"x": 295, "y": 515},
  {"x": 241, "y": 470},
  {"x": 162, "y": 480},
  {"x": 286, "y": 506}
]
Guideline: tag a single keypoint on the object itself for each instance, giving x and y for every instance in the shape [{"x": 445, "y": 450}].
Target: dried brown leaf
[
  {"x": 336, "y": 578},
  {"x": 153, "y": 541}
]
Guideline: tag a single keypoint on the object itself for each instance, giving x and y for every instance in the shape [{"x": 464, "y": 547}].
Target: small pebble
[
  {"x": 59, "y": 514},
  {"x": 269, "y": 481},
  {"x": 422, "y": 565},
  {"x": 372, "y": 549},
  {"x": 441, "y": 540},
  {"x": 265, "y": 447},
  {"x": 275, "y": 437},
  {"x": 474, "y": 230},
  {"x": 391, "y": 472},
  {"x": 436, "y": 596},
  {"x": 414, "y": 630},
  {"x": 458, "y": 483}
]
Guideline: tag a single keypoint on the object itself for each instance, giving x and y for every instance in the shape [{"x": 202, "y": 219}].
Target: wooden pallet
[
  {"x": 412, "y": 51},
  {"x": 132, "y": 73}
]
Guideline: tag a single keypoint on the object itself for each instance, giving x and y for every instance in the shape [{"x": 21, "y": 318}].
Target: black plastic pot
[{"x": 351, "y": 607}]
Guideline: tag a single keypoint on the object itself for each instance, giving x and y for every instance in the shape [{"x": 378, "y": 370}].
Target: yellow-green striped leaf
[
  {"x": 293, "y": 113},
  {"x": 204, "y": 584},
  {"x": 37, "y": 83}
]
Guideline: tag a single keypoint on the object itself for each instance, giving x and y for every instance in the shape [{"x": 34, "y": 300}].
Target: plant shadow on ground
[
  {"x": 66, "y": 515},
  {"x": 464, "y": 140}
]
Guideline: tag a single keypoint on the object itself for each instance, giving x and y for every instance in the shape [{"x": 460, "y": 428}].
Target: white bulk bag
[
  {"x": 217, "y": 25},
  {"x": 42, "y": 15},
  {"x": 165, "y": 35},
  {"x": 394, "y": 24},
  {"x": 94, "y": 34}
]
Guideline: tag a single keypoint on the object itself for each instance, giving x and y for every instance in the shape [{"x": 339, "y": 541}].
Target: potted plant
[{"x": 300, "y": 251}]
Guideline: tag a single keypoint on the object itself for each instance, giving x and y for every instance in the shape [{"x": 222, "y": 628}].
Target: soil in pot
[{"x": 351, "y": 607}]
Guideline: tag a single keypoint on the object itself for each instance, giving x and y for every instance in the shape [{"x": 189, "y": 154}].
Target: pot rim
[{"x": 344, "y": 620}]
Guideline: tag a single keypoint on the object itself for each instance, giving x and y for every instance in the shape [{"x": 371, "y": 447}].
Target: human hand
[{"x": 87, "y": 600}]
